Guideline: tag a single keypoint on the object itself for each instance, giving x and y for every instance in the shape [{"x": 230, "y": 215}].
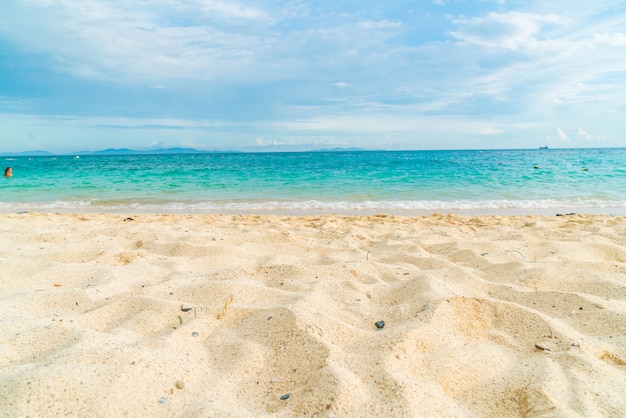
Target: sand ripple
[{"x": 484, "y": 316}]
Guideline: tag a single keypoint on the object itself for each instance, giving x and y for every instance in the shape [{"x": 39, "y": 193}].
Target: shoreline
[
  {"x": 484, "y": 315},
  {"x": 412, "y": 183},
  {"x": 551, "y": 211}
]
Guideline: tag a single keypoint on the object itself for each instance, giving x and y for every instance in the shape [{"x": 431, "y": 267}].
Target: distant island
[
  {"x": 175, "y": 150},
  {"x": 117, "y": 151},
  {"x": 127, "y": 151},
  {"x": 35, "y": 153}
]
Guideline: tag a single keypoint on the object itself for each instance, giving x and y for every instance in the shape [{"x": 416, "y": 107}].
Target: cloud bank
[{"x": 87, "y": 74}]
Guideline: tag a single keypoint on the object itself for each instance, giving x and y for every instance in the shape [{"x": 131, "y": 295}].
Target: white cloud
[
  {"x": 613, "y": 39},
  {"x": 156, "y": 41},
  {"x": 224, "y": 9},
  {"x": 115, "y": 122},
  {"x": 380, "y": 24},
  {"x": 585, "y": 135},
  {"x": 509, "y": 31},
  {"x": 561, "y": 135},
  {"x": 543, "y": 64},
  {"x": 328, "y": 71},
  {"x": 378, "y": 123},
  {"x": 490, "y": 130},
  {"x": 120, "y": 40},
  {"x": 596, "y": 138},
  {"x": 263, "y": 142}
]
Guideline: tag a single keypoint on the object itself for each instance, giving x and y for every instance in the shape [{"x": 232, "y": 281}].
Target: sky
[{"x": 283, "y": 75}]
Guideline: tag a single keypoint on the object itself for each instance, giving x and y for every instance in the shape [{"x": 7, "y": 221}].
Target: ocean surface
[{"x": 397, "y": 182}]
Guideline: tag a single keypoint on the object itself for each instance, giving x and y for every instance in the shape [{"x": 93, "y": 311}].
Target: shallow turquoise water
[{"x": 404, "y": 182}]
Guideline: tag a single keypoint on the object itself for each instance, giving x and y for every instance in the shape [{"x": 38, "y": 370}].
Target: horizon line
[{"x": 187, "y": 150}]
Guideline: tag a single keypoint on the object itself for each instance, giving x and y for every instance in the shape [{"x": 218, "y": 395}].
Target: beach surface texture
[{"x": 334, "y": 316}]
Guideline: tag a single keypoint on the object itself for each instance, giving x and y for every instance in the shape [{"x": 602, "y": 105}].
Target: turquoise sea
[{"x": 397, "y": 182}]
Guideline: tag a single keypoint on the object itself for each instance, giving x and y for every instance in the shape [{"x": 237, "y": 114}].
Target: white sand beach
[{"x": 484, "y": 316}]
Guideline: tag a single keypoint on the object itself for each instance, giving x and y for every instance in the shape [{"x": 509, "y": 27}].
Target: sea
[{"x": 504, "y": 182}]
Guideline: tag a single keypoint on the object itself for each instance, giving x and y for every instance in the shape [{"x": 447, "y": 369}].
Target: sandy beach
[{"x": 218, "y": 315}]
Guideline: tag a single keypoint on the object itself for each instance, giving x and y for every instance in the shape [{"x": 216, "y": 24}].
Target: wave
[{"x": 318, "y": 207}]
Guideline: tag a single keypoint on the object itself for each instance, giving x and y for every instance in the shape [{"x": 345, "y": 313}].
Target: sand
[{"x": 117, "y": 315}]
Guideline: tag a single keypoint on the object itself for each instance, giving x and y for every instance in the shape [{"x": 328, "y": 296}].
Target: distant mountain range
[
  {"x": 128, "y": 151},
  {"x": 118, "y": 151},
  {"x": 25, "y": 153}
]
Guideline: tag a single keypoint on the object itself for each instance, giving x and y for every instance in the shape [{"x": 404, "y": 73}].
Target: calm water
[{"x": 401, "y": 182}]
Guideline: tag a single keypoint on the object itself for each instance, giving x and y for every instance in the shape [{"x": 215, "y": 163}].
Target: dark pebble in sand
[
  {"x": 380, "y": 324},
  {"x": 285, "y": 396},
  {"x": 194, "y": 334}
]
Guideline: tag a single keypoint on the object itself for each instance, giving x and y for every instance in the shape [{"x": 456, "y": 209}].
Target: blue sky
[{"x": 295, "y": 74}]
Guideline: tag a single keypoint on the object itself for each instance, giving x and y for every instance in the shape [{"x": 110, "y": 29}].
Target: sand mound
[{"x": 106, "y": 315}]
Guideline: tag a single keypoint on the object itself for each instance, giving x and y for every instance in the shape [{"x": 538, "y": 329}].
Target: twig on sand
[
  {"x": 516, "y": 251},
  {"x": 225, "y": 308},
  {"x": 544, "y": 321},
  {"x": 314, "y": 329}
]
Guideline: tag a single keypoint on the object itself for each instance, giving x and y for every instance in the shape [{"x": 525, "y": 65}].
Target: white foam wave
[{"x": 318, "y": 207}]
